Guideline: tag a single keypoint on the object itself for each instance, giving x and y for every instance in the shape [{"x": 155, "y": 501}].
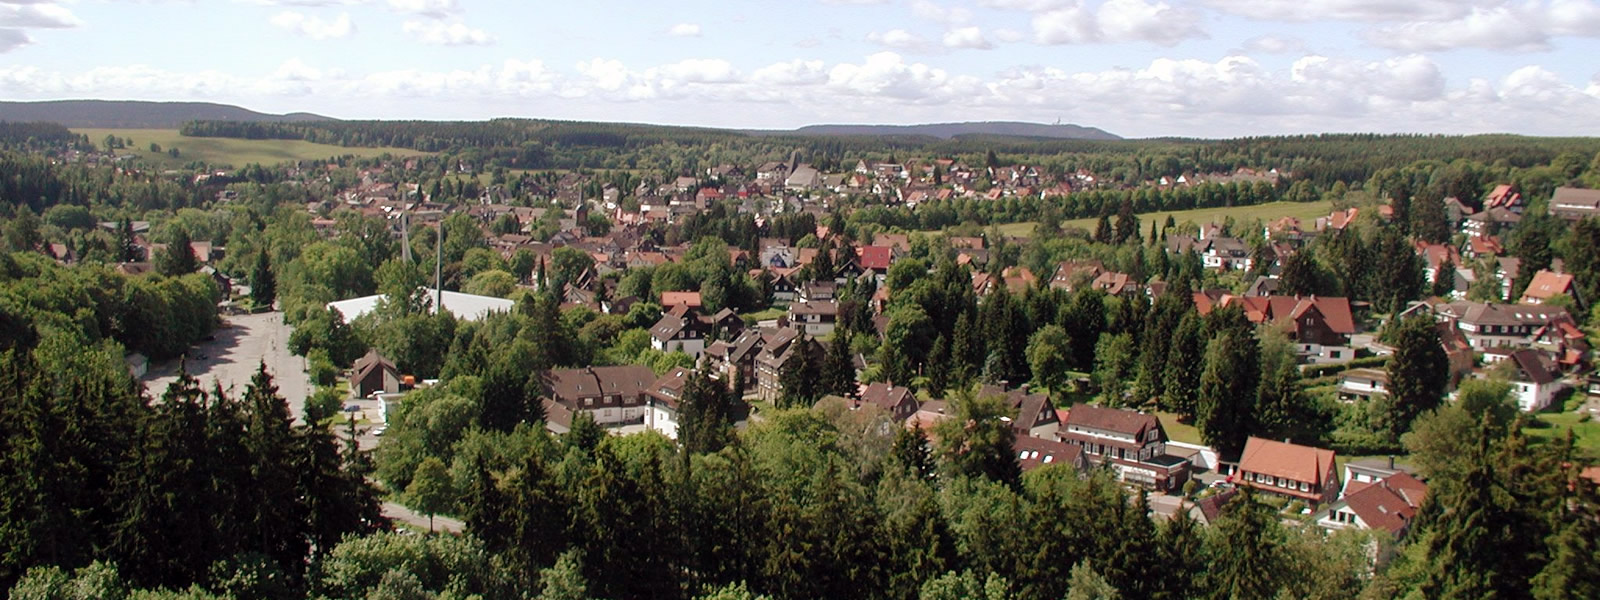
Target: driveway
[{"x": 241, "y": 343}]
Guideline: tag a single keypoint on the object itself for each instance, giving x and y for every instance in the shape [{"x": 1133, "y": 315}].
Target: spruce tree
[
  {"x": 263, "y": 285},
  {"x": 178, "y": 258},
  {"x": 1246, "y": 550},
  {"x": 838, "y": 369},
  {"x": 1224, "y": 407},
  {"x": 128, "y": 249},
  {"x": 1185, "y": 360},
  {"x": 1418, "y": 372},
  {"x": 800, "y": 374}
]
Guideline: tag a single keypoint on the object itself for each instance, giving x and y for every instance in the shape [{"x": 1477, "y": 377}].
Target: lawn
[
  {"x": 1585, "y": 431},
  {"x": 227, "y": 151},
  {"x": 1305, "y": 211},
  {"x": 1179, "y": 432}
]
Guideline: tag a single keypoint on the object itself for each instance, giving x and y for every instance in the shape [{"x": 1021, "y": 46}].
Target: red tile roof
[
  {"x": 1282, "y": 459},
  {"x": 875, "y": 257}
]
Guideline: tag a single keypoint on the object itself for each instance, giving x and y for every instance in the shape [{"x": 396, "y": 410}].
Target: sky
[{"x": 1136, "y": 68}]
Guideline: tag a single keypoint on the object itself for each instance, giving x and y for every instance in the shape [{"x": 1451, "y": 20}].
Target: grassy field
[
  {"x": 1305, "y": 211},
  {"x": 227, "y": 151}
]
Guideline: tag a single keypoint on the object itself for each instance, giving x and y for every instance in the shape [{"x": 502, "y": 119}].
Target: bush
[{"x": 321, "y": 368}]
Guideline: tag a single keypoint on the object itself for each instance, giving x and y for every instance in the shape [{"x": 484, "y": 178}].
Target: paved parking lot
[{"x": 242, "y": 343}]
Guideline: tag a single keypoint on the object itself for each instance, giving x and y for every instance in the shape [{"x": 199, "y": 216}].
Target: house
[
  {"x": 1499, "y": 325},
  {"x": 374, "y": 374},
  {"x": 1226, "y": 253},
  {"x": 1320, "y": 326},
  {"x": 1036, "y": 415},
  {"x": 815, "y": 318},
  {"x": 689, "y": 299},
  {"x": 1537, "y": 379},
  {"x": 1362, "y": 384},
  {"x": 777, "y": 351},
  {"x": 1389, "y": 504},
  {"x": 897, "y": 401},
  {"x": 614, "y": 396},
  {"x": 1575, "y": 203},
  {"x": 1208, "y": 509},
  {"x": 1033, "y": 453},
  {"x": 662, "y": 398},
  {"x": 1548, "y": 284},
  {"x": 1291, "y": 470},
  {"x": 876, "y": 260},
  {"x": 684, "y": 329},
  {"x": 1489, "y": 222},
  {"x": 1133, "y": 443},
  {"x": 737, "y": 358}
]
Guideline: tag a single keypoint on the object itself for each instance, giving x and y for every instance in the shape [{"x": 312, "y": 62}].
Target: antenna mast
[{"x": 438, "y": 271}]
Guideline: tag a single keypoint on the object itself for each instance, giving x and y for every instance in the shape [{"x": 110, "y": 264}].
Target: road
[
  {"x": 443, "y": 524},
  {"x": 242, "y": 343}
]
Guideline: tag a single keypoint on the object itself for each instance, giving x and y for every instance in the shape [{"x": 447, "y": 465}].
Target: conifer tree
[
  {"x": 263, "y": 285},
  {"x": 178, "y": 258},
  {"x": 1185, "y": 360},
  {"x": 1224, "y": 406},
  {"x": 1246, "y": 547},
  {"x": 838, "y": 369},
  {"x": 1418, "y": 372}
]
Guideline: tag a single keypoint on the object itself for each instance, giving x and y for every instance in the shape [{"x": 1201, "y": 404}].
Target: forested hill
[
  {"x": 137, "y": 114},
  {"x": 951, "y": 130}
]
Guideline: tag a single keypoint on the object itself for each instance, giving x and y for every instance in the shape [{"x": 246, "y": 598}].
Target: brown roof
[
  {"x": 372, "y": 360},
  {"x": 1111, "y": 419},
  {"x": 1388, "y": 504},
  {"x": 1032, "y": 409},
  {"x": 1035, "y": 452},
  {"x": 1547, "y": 284},
  {"x": 677, "y": 298},
  {"x": 886, "y": 396},
  {"x": 571, "y": 384},
  {"x": 1289, "y": 461},
  {"x": 1211, "y": 506}
]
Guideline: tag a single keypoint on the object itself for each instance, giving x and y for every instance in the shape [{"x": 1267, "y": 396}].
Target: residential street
[
  {"x": 242, "y": 343},
  {"x": 402, "y": 514}
]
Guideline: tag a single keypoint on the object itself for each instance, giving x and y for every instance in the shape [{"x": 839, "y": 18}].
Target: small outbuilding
[{"x": 372, "y": 374}]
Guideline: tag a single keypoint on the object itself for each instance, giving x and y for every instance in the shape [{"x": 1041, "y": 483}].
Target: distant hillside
[
  {"x": 951, "y": 130},
  {"x": 131, "y": 114}
]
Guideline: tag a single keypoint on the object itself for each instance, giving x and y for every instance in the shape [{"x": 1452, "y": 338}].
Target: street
[{"x": 242, "y": 343}]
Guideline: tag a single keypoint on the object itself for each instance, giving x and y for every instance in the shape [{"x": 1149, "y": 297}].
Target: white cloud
[
  {"x": 966, "y": 37},
  {"x": 1272, "y": 44},
  {"x": 314, "y": 27},
  {"x": 39, "y": 14},
  {"x": 684, "y": 30},
  {"x": 439, "y": 33},
  {"x": 437, "y": 9},
  {"x": 794, "y": 72},
  {"x": 899, "y": 39},
  {"x": 1350, "y": 10},
  {"x": 11, "y": 39},
  {"x": 931, "y": 11},
  {"x": 1229, "y": 96},
  {"x": 886, "y": 75},
  {"x": 1518, "y": 27},
  {"x": 1116, "y": 21}
]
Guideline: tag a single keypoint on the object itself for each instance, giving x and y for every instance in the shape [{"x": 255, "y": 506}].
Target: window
[
  {"x": 1305, "y": 487},
  {"x": 588, "y": 401}
]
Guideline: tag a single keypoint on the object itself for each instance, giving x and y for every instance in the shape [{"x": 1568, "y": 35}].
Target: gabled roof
[
  {"x": 1033, "y": 453},
  {"x": 1388, "y": 504},
  {"x": 1548, "y": 284},
  {"x": 875, "y": 257},
  {"x": 1535, "y": 366},
  {"x": 1032, "y": 409},
  {"x": 1289, "y": 461},
  {"x": 571, "y": 384},
  {"x": 371, "y": 361},
  {"x": 887, "y": 396},
  {"x": 670, "y": 299},
  {"x": 1129, "y": 422}
]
